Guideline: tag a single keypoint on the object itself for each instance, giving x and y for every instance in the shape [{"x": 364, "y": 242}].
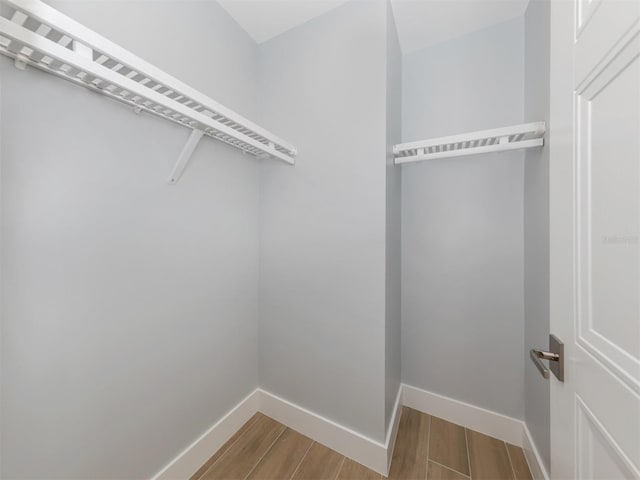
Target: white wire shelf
[
  {"x": 497, "y": 140},
  {"x": 36, "y": 34}
]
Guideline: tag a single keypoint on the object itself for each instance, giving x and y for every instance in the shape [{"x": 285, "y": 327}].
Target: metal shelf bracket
[
  {"x": 21, "y": 62},
  {"x": 185, "y": 156}
]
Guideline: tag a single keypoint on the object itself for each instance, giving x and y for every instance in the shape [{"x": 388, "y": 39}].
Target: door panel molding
[
  {"x": 589, "y": 428},
  {"x": 618, "y": 358}
]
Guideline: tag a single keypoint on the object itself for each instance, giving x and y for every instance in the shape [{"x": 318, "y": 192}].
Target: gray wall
[
  {"x": 148, "y": 293},
  {"x": 462, "y": 224},
  {"x": 536, "y": 226},
  {"x": 322, "y": 323},
  {"x": 129, "y": 321},
  {"x": 393, "y": 218}
]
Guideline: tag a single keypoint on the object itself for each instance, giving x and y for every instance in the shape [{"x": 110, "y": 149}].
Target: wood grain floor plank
[
  {"x": 488, "y": 457},
  {"x": 438, "y": 472},
  {"x": 410, "y": 454},
  {"x": 448, "y": 446},
  {"x": 519, "y": 463},
  {"x": 225, "y": 447},
  {"x": 320, "y": 463},
  {"x": 426, "y": 447},
  {"x": 242, "y": 456},
  {"x": 354, "y": 471},
  {"x": 282, "y": 459}
]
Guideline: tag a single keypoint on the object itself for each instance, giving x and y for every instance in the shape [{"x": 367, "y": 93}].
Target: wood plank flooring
[{"x": 427, "y": 447}]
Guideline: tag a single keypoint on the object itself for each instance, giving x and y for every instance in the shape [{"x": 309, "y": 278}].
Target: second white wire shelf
[{"x": 497, "y": 140}]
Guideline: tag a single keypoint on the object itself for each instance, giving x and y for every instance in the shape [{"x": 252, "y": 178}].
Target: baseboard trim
[
  {"x": 371, "y": 453},
  {"x": 392, "y": 431},
  {"x": 536, "y": 465},
  {"x": 343, "y": 440},
  {"x": 364, "y": 450},
  {"x": 485, "y": 421},
  {"x": 195, "y": 455},
  {"x": 476, "y": 418}
]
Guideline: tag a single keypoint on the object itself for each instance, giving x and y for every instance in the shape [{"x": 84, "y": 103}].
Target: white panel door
[{"x": 595, "y": 224}]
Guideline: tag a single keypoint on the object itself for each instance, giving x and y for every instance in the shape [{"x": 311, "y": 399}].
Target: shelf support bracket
[
  {"x": 20, "y": 62},
  {"x": 185, "y": 156}
]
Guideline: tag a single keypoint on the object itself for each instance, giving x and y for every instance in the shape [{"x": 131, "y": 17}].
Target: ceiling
[
  {"x": 265, "y": 19},
  {"x": 420, "y": 23}
]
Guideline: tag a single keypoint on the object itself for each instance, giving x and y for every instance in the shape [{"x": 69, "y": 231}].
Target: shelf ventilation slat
[
  {"x": 497, "y": 140},
  {"x": 35, "y": 34}
]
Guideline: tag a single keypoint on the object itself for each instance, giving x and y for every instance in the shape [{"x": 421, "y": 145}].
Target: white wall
[
  {"x": 129, "y": 321},
  {"x": 322, "y": 324},
  {"x": 536, "y": 226},
  {"x": 393, "y": 282},
  {"x": 462, "y": 224}
]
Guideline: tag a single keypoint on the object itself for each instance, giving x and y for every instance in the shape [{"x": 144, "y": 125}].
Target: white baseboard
[
  {"x": 196, "y": 454},
  {"x": 343, "y": 440},
  {"x": 476, "y": 418},
  {"x": 371, "y": 453},
  {"x": 392, "y": 430},
  {"x": 485, "y": 421},
  {"x": 536, "y": 465}
]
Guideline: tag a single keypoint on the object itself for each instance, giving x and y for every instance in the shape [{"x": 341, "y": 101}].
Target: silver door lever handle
[
  {"x": 554, "y": 356},
  {"x": 536, "y": 355}
]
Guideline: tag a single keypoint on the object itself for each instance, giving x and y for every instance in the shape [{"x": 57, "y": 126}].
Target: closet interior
[{"x": 325, "y": 275}]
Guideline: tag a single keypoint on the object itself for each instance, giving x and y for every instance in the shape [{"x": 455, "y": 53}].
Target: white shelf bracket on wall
[
  {"x": 514, "y": 137},
  {"x": 21, "y": 62},
  {"x": 185, "y": 156},
  {"x": 35, "y": 34}
]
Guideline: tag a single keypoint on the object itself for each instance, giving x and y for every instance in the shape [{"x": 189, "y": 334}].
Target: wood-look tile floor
[{"x": 427, "y": 447}]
